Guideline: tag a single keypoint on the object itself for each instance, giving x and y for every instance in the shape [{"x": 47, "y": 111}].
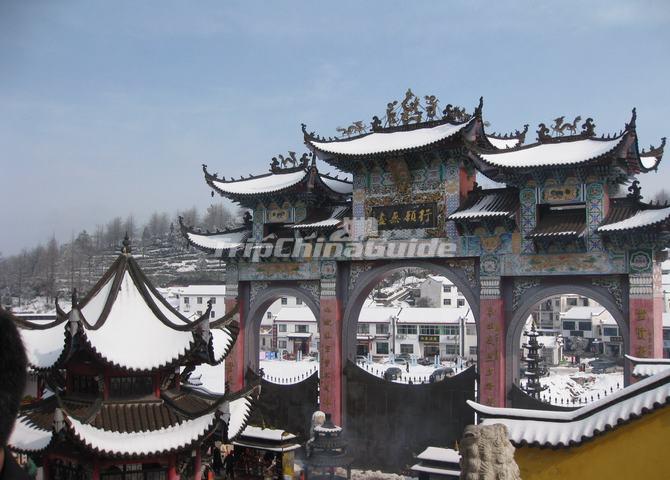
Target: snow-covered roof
[
  {"x": 145, "y": 443},
  {"x": 430, "y": 315},
  {"x": 582, "y": 313},
  {"x": 503, "y": 143},
  {"x": 27, "y": 437},
  {"x": 333, "y": 220},
  {"x": 551, "y": 154},
  {"x": 43, "y": 347},
  {"x": 129, "y": 325},
  {"x": 499, "y": 203},
  {"x": 438, "y": 454},
  {"x": 642, "y": 218},
  {"x": 439, "y": 278},
  {"x": 240, "y": 410},
  {"x": 382, "y": 142},
  {"x": 564, "y": 429},
  {"x": 377, "y": 314},
  {"x": 646, "y": 367},
  {"x": 548, "y": 341},
  {"x": 298, "y": 335},
  {"x": 210, "y": 290},
  {"x": 262, "y": 184},
  {"x": 272, "y": 434},
  {"x": 218, "y": 241},
  {"x": 299, "y": 313},
  {"x": 337, "y": 185}
]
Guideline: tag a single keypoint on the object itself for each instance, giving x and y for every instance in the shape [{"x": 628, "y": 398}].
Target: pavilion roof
[
  {"x": 569, "y": 428},
  {"x": 118, "y": 317},
  {"x": 132, "y": 428},
  {"x": 620, "y": 154},
  {"x": 325, "y": 219}
]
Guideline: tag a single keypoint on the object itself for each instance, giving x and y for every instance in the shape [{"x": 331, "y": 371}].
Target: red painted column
[
  {"x": 491, "y": 338},
  {"x": 96, "y": 470},
  {"x": 197, "y": 465},
  {"x": 234, "y": 364},
  {"x": 330, "y": 353},
  {"x": 646, "y": 314},
  {"x": 172, "y": 468}
]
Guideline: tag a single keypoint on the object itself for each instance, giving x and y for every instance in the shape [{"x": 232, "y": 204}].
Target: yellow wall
[{"x": 637, "y": 450}]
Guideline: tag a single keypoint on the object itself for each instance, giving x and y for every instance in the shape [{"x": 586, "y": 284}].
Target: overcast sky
[{"x": 109, "y": 108}]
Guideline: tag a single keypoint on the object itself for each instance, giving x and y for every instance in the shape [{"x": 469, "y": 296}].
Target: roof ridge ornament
[
  {"x": 559, "y": 127},
  {"x": 290, "y": 163},
  {"x": 635, "y": 190},
  {"x": 126, "y": 249},
  {"x": 631, "y": 125}
]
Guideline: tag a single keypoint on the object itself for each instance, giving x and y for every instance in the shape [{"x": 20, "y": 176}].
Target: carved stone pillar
[
  {"x": 491, "y": 337},
  {"x": 646, "y": 314},
  {"x": 234, "y": 363},
  {"x": 330, "y": 347}
]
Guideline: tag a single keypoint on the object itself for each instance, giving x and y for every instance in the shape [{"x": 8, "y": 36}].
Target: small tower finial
[
  {"x": 75, "y": 300},
  {"x": 126, "y": 250}
]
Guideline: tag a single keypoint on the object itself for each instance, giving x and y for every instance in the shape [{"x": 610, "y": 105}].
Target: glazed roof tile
[{"x": 564, "y": 429}]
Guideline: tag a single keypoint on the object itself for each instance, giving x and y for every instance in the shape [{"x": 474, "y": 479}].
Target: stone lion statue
[{"x": 487, "y": 454}]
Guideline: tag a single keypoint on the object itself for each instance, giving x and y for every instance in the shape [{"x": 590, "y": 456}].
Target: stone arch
[
  {"x": 517, "y": 319},
  {"x": 257, "y": 308},
  {"x": 367, "y": 280}
]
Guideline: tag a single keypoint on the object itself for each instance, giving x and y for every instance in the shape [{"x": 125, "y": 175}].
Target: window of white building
[
  {"x": 282, "y": 327},
  {"x": 406, "y": 348},
  {"x": 382, "y": 348}
]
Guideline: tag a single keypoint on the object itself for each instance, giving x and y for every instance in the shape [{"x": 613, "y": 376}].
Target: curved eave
[
  {"x": 173, "y": 362},
  {"x": 499, "y": 163},
  {"x": 219, "y": 348},
  {"x": 62, "y": 355},
  {"x": 650, "y": 160},
  {"x": 509, "y": 140},
  {"x": 26, "y": 437},
  {"x": 641, "y": 220},
  {"x": 126, "y": 445},
  {"x": 210, "y": 242},
  {"x": 297, "y": 178},
  {"x": 331, "y": 155}
]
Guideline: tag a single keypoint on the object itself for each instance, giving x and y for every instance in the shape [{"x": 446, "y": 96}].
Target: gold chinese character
[
  {"x": 641, "y": 333},
  {"x": 395, "y": 218},
  {"x": 382, "y": 219},
  {"x": 410, "y": 216},
  {"x": 425, "y": 215}
]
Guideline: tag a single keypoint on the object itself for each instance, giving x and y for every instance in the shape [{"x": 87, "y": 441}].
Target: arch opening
[
  {"x": 282, "y": 335},
  {"x": 405, "y": 321},
  {"x": 580, "y": 337}
]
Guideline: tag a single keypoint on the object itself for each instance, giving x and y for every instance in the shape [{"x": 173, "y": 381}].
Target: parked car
[
  {"x": 425, "y": 361},
  {"x": 361, "y": 359},
  {"x": 404, "y": 356},
  {"x": 392, "y": 373},
  {"x": 440, "y": 374}
]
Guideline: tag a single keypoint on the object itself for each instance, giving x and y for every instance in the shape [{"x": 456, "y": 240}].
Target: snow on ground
[{"x": 568, "y": 384}]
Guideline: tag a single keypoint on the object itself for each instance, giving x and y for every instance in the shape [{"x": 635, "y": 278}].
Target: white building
[
  {"x": 594, "y": 323},
  {"x": 439, "y": 291},
  {"x": 426, "y": 332},
  {"x": 374, "y": 330},
  {"x": 193, "y": 300},
  {"x": 296, "y": 330}
]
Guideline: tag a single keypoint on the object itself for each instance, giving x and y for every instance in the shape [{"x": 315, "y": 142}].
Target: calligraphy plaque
[{"x": 418, "y": 215}]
